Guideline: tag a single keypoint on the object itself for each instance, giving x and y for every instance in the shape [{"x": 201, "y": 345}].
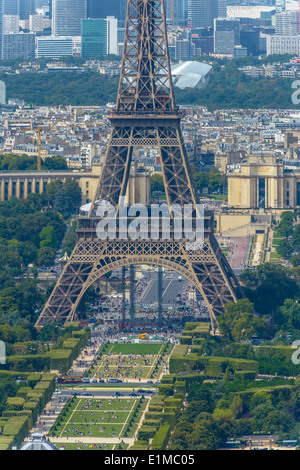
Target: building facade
[
  {"x": 67, "y": 16},
  {"x": 99, "y": 37},
  {"x": 264, "y": 182},
  {"x": 201, "y": 13},
  {"x": 94, "y": 38},
  {"x": 287, "y": 23},
  {"x": 283, "y": 45},
  {"x": 104, "y": 8},
  {"x": 19, "y": 46},
  {"x": 226, "y": 35},
  {"x": 20, "y": 184},
  {"x": 54, "y": 47}
]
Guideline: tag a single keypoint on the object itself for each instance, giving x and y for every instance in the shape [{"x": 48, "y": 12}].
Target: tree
[
  {"x": 238, "y": 321},
  {"x": 157, "y": 184},
  {"x": 74, "y": 191},
  {"x": 48, "y": 238},
  {"x": 288, "y": 315},
  {"x": 52, "y": 189},
  {"x": 63, "y": 202},
  {"x": 201, "y": 180},
  {"x": 216, "y": 181},
  {"x": 284, "y": 248},
  {"x": 46, "y": 256},
  {"x": 69, "y": 243},
  {"x": 274, "y": 284},
  {"x": 55, "y": 163}
]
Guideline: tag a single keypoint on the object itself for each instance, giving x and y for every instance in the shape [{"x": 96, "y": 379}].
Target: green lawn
[
  {"x": 136, "y": 348},
  {"x": 104, "y": 418},
  {"x": 80, "y": 446},
  {"x": 131, "y": 361}
]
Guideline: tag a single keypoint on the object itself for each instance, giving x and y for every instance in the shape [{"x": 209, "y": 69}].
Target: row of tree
[
  {"x": 228, "y": 88},
  {"x": 31, "y": 232},
  {"x": 212, "y": 180}
]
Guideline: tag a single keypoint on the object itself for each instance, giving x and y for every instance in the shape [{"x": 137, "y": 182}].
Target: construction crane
[
  {"x": 39, "y": 146},
  {"x": 39, "y": 150}
]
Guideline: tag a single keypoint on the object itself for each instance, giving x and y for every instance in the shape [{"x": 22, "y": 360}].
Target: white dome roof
[{"x": 191, "y": 74}]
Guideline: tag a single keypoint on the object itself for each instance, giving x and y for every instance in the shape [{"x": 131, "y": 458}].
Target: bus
[{"x": 69, "y": 380}]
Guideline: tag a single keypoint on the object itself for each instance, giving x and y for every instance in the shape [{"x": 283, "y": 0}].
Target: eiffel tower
[{"x": 145, "y": 116}]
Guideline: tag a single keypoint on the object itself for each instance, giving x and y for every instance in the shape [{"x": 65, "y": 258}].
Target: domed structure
[{"x": 191, "y": 74}]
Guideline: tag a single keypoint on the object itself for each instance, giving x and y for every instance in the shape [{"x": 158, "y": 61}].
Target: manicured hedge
[
  {"x": 15, "y": 403},
  {"x": 6, "y": 442},
  {"x": 74, "y": 345},
  {"x": 245, "y": 375},
  {"x": 28, "y": 362},
  {"x": 212, "y": 366},
  {"x": 185, "y": 364},
  {"x": 17, "y": 426},
  {"x": 60, "y": 359},
  {"x": 152, "y": 415},
  {"x": 33, "y": 379},
  {"x": 165, "y": 389},
  {"x": 161, "y": 438},
  {"x": 44, "y": 387},
  {"x": 186, "y": 339},
  {"x": 23, "y": 392},
  {"x": 146, "y": 432},
  {"x": 168, "y": 379},
  {"x": 22, "y": 413}
]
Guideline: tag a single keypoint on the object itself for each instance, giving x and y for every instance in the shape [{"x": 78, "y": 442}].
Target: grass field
[
  {"x": 135, "y": 348},
  {"x": 131, "y": 361},
  {"x": 104, "y": 418}
]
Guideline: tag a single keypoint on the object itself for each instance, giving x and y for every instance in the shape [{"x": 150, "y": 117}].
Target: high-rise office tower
[
  {"x": 201, "y": 13},
  {"x": 105, "y": 8},
  {"x": 227, "y": 35},
  {"x": 176, "y": 11},
  {"x": 99, "y": 37},
  {"x": 27, "y": 8},
  {"x": 18, "y": 46},
  {"x": 222, "y": 8},
  {"x": 11, "y": 7},
  {"x": 280, "y": 6},
  {"x": 287, "y": 23},
  {"x": 94, "y": 38},
  {"x": 1, "y": 28},
  {"x": 67, "y": 16}
]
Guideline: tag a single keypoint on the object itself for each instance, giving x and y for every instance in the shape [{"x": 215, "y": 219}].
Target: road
[
  {"x": 172, "y": 285},
  {"x": 105, "y": 393}
]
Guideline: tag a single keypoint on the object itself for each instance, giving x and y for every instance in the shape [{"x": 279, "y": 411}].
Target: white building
[
  {"x": 283, "y": 44},
  {"x": 287, "y": 23},
  {"x": 11, "y": 24},
  {"x": 37, "y": 23},
  {"x": 53, "y": 47},
  {"x": 112, "y": 35}
]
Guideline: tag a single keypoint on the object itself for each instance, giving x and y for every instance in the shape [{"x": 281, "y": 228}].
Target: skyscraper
[
  {"x": 67, "y": 16},
  {"x": 27, "y": 7},
  {"x": 280, "y": 6},
  {"x": 99, "y": 37},
  {"x": 104, "y": 8},
  {"x": 201, "y": 13},
  {"x": 11, "y": 7},
  {"x": 176, "y": 11},
  {"x": 227, "y": 35},
  {"x": 1, "y": 29},
  {"x": 94, "y": 38}
]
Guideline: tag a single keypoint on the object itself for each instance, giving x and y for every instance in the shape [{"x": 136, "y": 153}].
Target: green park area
[
  {"x": 131, "y": 361},
  {"x": 99, "y": 418}
]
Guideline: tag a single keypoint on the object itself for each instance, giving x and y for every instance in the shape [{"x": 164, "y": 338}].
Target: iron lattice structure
[{"x": 145, "y": 116}]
